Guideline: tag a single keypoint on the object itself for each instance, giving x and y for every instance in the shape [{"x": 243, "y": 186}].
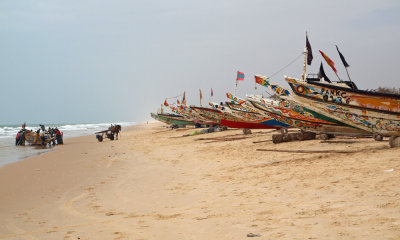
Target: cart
[{"x": 106, "y": 133}]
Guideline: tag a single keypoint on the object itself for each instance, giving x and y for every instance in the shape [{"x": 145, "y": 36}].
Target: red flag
[
  {"x": 165, "y": 103},
  {"x": 177, "y": 100},
  {"x": 329, "y": 61},
  {"x": 259, "y": 79}
]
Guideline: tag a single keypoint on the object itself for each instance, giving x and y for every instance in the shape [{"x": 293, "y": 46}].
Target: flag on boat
[
  {"x": 309, "y": 51},
  {"x": 322, "y": 74},
  {"x": 230, "y": 96},
  {"x": 177, "y": 100},
  {"x": 261, "y": 80},
  {"x": 264, "y": 81},
  {"x": 201, "y": 95},
  {"x": 240, "y": 76},
  {"x": 184, "y": 98},
  {"x": 212, "y": 93},
  {"x": 328, "y": 61},
  {"x": 165, "y": 103},
  {"x": 342, "y": 57}
]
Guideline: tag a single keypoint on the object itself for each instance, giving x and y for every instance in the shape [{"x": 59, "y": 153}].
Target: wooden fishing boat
[
  {"x": 243, "y": 118},
  {"x": 33, "y": 138},
  {"x": 273, "y": 109},
  {"x": 299, "y": 115},
  {"x": 197, "y": 118},
  {"x": 172, "y": 119},
  {"x": 156, "y": 117},
  {"x": 377, "y": 113},
  {"x": 247, "y": 124},
  {"x": 266, "y": 119},
  {"x": 208, "y": 113}
]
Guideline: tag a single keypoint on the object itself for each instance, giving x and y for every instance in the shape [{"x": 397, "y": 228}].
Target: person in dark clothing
[
  {"x": 17, "y": 138},
  {"x": 59, "y": 136}
]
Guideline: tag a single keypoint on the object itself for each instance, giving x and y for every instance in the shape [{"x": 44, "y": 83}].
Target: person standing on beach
[
  {"x": 42, "y": 134},
  {"x": 59, "y": 137}
]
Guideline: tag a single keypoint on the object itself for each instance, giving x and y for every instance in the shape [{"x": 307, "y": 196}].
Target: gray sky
[{"x": 101, "y": 60}]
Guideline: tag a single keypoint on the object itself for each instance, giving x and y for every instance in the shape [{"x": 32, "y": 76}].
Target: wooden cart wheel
[{"x": 99, "y": 138}]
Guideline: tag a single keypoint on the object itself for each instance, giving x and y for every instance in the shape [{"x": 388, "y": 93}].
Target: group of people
[
  {"x": 58, "y": 135},
  {"x": 43, "y": 136}
]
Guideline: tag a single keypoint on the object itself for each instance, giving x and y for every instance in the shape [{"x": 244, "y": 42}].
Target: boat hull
[
  {"x": 172, "y": 120},
  {"x": 372, "y": 112},
  {"x": 248, "y": 125},
  {"x": 33, "y": 138}
]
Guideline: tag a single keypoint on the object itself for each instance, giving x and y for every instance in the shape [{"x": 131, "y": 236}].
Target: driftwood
[
  {"x": 344, "y": 141},
  {"x": 186, "y": 135},
  {"x": 260, "y": 132},
  {"x": 221, "y": 139},
  {"x": 338, "y": 141},
  {"x": 308, "y": 151},
  {"x": 290, "y": 137},
  {"x": 262, "y": 141}
]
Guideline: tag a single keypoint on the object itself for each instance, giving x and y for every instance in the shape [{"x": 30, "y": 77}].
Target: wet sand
[{"x": 155, "y": 184}]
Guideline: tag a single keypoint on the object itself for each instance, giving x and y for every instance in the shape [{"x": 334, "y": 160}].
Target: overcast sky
[{"x": 82, "y": 61}]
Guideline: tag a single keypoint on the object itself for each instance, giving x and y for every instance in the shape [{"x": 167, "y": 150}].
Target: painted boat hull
[
  {"x": 248, "y": 125},
  {"x": 308, "y": 123},
  {"x": 208, "y": 113},
  {"x": 33, "y": 138},
  {"x": 372, "y": 112},
  {"x": 171, "y": 120},
  {"x": 195, "y": 116},
  {"x": 219, "y": 116}
]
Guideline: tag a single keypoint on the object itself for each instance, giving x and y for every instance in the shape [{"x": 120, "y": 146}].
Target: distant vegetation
[{"x": 387, "y": 90}]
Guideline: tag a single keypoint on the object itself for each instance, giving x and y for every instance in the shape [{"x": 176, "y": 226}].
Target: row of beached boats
[{"x": 312, "y": 103}]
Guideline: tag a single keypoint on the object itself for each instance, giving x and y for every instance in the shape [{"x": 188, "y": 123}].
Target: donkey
[{"x": 115, "y": 129}]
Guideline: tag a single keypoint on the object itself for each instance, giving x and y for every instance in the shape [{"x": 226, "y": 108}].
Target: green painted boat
[{"x": 172, "y": 119}]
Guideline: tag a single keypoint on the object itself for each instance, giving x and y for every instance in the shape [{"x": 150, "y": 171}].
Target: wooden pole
[
  {"x": 348, "y": 74},
  {"x": 235, "y": 87},
  {"x": 338, "y": 77},
  {"x": 309, "y": 151}
]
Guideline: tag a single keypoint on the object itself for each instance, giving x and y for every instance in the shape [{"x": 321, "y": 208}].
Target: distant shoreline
[{"x": 9, "y": 153}]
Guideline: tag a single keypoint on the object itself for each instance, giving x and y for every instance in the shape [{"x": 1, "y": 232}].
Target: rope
[
  {"x": 175, "y": 97},
  {"x": 280, "y": 70}
]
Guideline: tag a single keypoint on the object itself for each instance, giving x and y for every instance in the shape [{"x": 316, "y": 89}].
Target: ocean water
[{"x": 10, "y": 153}]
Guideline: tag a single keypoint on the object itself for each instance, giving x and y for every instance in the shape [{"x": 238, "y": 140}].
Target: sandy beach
[{"x": 154, "y": 183}]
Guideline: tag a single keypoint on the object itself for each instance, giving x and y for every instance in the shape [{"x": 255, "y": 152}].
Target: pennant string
[
  {"x": 280, "y": 70},
  {"x": 174, "y": 97}
]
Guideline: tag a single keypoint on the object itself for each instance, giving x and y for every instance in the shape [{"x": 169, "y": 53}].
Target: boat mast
[
  {"x": 303, "y": 76},
  {"x": 235, "y": 86},
  {"x": 348, "y": 74}
]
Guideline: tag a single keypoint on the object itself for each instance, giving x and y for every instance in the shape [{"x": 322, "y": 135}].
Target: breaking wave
[{"x": 69, "y": 130}]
